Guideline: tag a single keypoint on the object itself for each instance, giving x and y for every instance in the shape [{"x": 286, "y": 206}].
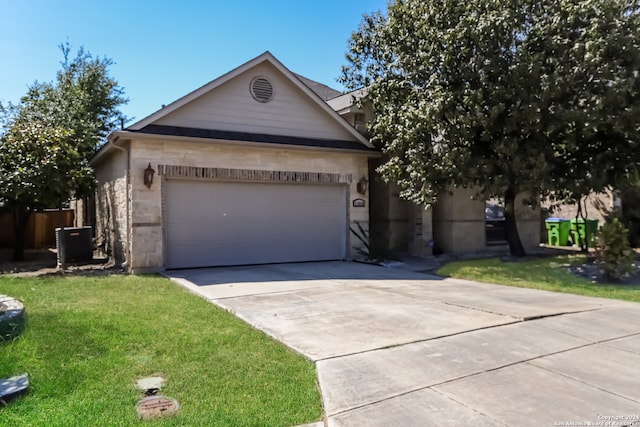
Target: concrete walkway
[{"x": 398, "y": 348}]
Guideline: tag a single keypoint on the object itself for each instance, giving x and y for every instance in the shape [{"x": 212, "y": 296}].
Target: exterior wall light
[
  {"x": 361, "y": 187},
  {"x": 148, "y": 176}
]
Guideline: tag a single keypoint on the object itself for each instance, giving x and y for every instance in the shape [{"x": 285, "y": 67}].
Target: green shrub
[{"x": 614, "y": 252}]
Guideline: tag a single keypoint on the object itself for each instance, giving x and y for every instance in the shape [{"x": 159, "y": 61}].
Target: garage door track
[{"x": 395, "y": 347}]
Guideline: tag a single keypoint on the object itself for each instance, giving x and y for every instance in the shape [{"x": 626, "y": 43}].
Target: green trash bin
[
  {"x": 557, "y": 231},
  {"x": 586, "y": 231}
]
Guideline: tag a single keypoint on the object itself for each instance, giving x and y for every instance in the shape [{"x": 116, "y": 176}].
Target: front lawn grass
[
  {"x": 88, "y": 340},
  {"x": 549, "y": 274}
]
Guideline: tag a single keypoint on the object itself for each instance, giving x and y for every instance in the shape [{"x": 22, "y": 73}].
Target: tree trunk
[
  {"x": 582, "y": 243},
  {"x": 21, "y": 216},
  {"x": 510, "y": 222}
]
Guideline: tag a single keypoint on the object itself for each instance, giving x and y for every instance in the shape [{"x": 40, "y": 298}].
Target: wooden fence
[{"x": 41, "y": 229}]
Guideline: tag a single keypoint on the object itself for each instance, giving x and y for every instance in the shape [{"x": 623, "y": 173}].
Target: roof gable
[{"x": 226, "y": 104}]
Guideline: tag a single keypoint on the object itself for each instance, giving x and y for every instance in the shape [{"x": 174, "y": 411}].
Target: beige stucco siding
[
  {"x": 147, "y": 210},
  {"x": 459, "y": 223},
  {"x": 529, "y": 220},
  {"x": 231, "y": 107}
]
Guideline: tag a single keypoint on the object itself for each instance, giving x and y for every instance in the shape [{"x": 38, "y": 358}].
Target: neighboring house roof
[
  {"x": 323, "y": 91},
  {"x": 345, "y": 103}
]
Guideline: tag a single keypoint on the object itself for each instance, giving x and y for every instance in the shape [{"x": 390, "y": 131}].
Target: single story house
[
  {"x": 263, "y": 166},
  {"x": 254, "y": 167}
]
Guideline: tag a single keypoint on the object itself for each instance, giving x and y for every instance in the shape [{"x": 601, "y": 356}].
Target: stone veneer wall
[
  {"x": 390, "y": 222},
  {"x": 111, "y": 227},
  {"x": 208, "y": 160},
  {"x": 421, "y": 221},
  {"x": 529, "y": 220}
]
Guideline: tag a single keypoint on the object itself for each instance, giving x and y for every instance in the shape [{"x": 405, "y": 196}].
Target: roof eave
[
  {"x": 128, "y": 136},
  {"x": 113, "y": 138}
]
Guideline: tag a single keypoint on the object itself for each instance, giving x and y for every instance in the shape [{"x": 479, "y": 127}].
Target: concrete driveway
[{"x": 394, "y": 347}]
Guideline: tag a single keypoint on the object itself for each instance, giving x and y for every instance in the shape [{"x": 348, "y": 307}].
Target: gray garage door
[{"x": 223, "y": 223}]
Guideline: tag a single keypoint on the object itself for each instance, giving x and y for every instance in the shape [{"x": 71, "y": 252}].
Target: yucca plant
[
  {"x": 363, "y": 236},
  {"x": 368, "y": 250}
]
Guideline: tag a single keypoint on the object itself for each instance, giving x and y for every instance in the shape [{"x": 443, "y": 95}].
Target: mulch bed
[
  {"x": 39, "y": 262},
  {"x": 34, "y": 260},
  {"x": 591, "y": 271}
]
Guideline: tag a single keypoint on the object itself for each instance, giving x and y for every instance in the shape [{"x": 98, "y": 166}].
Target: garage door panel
[
  {"x": 266, "y": 231},
  {"x": 216, "y": 223},
  {"x": 249, "y": 251}
]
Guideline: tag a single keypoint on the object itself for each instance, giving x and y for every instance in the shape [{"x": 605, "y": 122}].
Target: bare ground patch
[
  {"x": 592, "y": 271},
  {"x": 40, "y": 262}
]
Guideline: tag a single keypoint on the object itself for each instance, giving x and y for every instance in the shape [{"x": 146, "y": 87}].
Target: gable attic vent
[{"x": 261, "y": 89}]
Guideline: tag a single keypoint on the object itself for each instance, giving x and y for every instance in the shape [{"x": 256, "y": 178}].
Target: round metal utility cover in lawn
[
  {"x": 156, "y": 407},
  {"x": 12, "y": 318}
]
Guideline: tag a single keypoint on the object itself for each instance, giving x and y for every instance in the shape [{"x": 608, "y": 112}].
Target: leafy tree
[
  {"x": 597, "y": 148},
  {"x": 518, "y": 96},
  {"x": 50, "y": 136},
  {"x": 83, "y": 98},
  {"x": 40, "y": 164}
]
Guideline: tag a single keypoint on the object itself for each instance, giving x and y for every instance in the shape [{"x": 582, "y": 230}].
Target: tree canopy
[
  {"x": 49, "y": 137},
  {"x": 518, "y": 96},
  {"x": 44, "y": 163}
]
